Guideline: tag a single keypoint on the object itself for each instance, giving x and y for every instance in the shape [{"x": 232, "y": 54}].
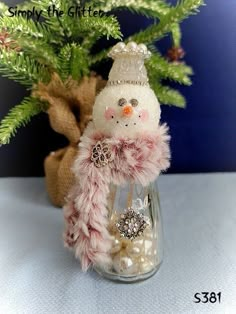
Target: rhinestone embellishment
[
  {"x": 131, "y": 223},
  {"x": 101, "y": 154},
  {"x": 133, "y": 82}
]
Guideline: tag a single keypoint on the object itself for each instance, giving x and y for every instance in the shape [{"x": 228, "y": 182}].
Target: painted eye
[
  {"x": 134, "y": 102},
  {"x": 122, "y": 102}
]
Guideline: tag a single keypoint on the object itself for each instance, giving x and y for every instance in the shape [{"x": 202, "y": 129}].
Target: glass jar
[{"x": 136, "y": 227}]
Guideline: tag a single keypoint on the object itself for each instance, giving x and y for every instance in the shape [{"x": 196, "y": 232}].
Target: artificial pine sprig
[
  {"x": 178, "y": 72},
  {"x": 19, "y": 26},
  {"x": 147, "y": 8},
  {"x": 54, "y": 23},
  {"x": 64, "y": 58},
  {"x": 3, "y": 8},
  {"x": 92, "y": 28},
  {"x": 167, "y": 95},
  {"x": 156, "y": 31},
  {"x": 176, "y": 35},
  {"x": 21, "y": 68},
  {"x": 176, "y": 14},
  {"x": 73, "y": 60},
  {"x": 33, "y": 37},
  {"x": 78, "y": 62},
  {"x": 19, "y": 116},
  {"x": 40, "y": 51}
]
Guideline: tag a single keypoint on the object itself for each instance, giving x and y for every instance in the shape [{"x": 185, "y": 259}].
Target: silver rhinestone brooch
[
  {"x": 131, "y": 223},
  {"x": 101, "y": 154}
]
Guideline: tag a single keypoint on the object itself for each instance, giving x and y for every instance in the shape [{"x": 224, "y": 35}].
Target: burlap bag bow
[{"x": 70, "y": 109}]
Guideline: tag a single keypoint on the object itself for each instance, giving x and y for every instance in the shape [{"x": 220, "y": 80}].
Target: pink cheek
[
  {"x": 144, "y": 115},
  {"x": 109, "y": 113}
]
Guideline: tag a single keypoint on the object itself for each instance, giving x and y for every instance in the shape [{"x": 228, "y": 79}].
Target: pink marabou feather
[{"x": 140, "y": 160}]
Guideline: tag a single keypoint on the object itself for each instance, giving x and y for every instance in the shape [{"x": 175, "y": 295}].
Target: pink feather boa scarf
[{"x": 139, "y": 160}]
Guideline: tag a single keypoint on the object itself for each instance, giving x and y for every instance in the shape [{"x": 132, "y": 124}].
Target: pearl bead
[
  {"x": 120, "y": 46},
  {"x": 116, "y": 246},
  {"x": 138, "y": 242},
  {"x": 142, "y": 47},
  {"x": 148, "y": 245},
  {"x": 132, "y": 46},
  {"x": 145, "y": 265},
  {"x": 151, "y": 253},
  {"x": 134, "y": 250},
  {"x": 142, "y": 259},
  {"x": 124, "y": 264}
]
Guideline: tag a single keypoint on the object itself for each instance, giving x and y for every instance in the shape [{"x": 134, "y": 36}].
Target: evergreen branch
[
  {"x": 64, "y": 58},
  {"x": 178, "y": 72},
  {"x": 73, "y": 60},
  {"x": 19, "y": 26},
  {"x": 168, "y": 96},
  {"x": 64, "y": 23},
  {"x": 78, "y": 62},
  {"x": 20, "y": 68},
  {"x": 176, "y": 35},
  {"x": 24, "y": 32},
  {"x": 175, "y": 28},
  {"x": 148, "y": 8},
  {"x": 92, "y": 28},
  {"x": 56, "y": 26},
  {"x": 106, "y": 26},
  {"x": 100, "y": 56},
  {"x": 176, "y": 14},
  {"x": 40, "y": 51},
  {"x": 19, "y": 116},
  {"x": 3, "y": 8}
]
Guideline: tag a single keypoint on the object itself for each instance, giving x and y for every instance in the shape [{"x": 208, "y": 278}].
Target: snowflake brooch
[
  {"x": 101, "y": 154},
  {"x": 131, "y": 223}
]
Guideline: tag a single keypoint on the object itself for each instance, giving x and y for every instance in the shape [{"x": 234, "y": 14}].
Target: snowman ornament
[
  {"x": 124, "y": 142},
  {"x": 128, "y": 106}
]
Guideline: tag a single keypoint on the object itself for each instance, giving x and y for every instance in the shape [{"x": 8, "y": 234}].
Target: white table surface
[{"x": 37, "y": 275}]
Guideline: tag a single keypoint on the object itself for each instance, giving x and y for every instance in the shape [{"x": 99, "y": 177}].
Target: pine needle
[{"x": 19, "y": 116}]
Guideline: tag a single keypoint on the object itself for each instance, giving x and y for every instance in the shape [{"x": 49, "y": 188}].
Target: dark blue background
[{"x": 203, "y": 134}]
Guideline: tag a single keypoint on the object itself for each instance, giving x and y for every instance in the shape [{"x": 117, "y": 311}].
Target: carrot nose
[{"x": 127, "y": 111}]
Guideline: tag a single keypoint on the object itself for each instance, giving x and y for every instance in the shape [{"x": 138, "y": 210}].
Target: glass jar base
[{"x": 127, "y": 278}]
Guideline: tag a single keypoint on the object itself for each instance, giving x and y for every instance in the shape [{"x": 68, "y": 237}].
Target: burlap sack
[{"x": 70, "y": 109}]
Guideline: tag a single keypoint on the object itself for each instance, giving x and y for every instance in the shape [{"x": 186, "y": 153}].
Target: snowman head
[
  {"x": 126, "y": 110},
  {"x": 127, "y": 106}
]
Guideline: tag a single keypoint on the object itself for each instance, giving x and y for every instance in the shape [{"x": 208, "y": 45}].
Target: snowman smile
[
  {"x": 125, "y": 123},
  {"x": 129, "y": 119}
]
